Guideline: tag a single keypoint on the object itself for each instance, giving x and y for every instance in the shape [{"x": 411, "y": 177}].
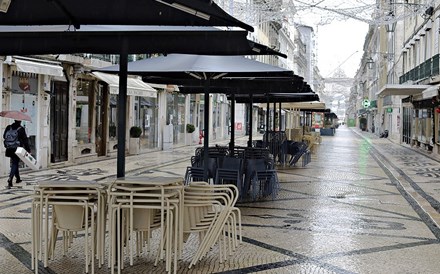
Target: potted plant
[
  {"x": 134, "y": 143},
  {"x": 190, "y": 128},
  {"x": 112, "y": 131},
  {"x": 363, "y": 123}
]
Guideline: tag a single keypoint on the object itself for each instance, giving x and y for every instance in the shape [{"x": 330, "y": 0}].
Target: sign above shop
[{"x": 366, "y": 103}]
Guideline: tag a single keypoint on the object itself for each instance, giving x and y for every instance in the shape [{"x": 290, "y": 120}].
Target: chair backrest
[
  {"x": 194, "y": 174},
  {"x": 69, "y": 217},
  {"x": 143, "y": 218},
  {"x": 232, "y": 163},
  {"x": 253, "y": 165}
]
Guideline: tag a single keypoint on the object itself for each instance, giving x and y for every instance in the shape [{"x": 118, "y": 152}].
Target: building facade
[{"x": 402, "y": 53}]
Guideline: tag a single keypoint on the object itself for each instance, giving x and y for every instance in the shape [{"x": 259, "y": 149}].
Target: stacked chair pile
[{"x": 250, "y": 169}]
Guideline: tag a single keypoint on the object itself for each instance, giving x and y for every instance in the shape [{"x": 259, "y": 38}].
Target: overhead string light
[{"x": 324, "y": 12}]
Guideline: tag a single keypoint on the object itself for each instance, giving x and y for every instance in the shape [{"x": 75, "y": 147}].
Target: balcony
[{"x": 428, "y": 68}]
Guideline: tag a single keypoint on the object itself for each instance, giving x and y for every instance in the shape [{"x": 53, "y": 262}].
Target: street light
[
  {"x": 370, "y": 62},
  {"x": 390, "y": 26}
]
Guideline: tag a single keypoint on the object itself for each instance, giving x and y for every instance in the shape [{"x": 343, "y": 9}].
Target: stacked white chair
[
  {"x": 210, "y": 211},
  {"x": 74, "y": 207},
  {"x": 139, "y": 205}
]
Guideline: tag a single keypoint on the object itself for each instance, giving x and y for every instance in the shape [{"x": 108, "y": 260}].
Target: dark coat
[{"x": 22, "y": 137}]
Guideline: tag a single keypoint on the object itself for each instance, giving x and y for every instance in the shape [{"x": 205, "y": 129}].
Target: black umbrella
[
  {"x": 111, "y": 12},
  {"x": 21, "y": 40},
  {"x": 249, "y": 92},
  {"x": 204, "y": 70},
  {"x": 116, "y": 12},
  {"x": 202, "y": 67}
]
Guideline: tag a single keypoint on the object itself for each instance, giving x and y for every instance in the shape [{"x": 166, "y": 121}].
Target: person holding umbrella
[{"x": 15, "y": 136}]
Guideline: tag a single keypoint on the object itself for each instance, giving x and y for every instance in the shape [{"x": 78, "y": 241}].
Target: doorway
[
  {"x": 101, "y": 120},
  {"x": 59, "y": 118}
]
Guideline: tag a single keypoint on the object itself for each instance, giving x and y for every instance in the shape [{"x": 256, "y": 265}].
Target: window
[
  {"x": 84, "y": 115},
  {"x": 24, "y": 98}
]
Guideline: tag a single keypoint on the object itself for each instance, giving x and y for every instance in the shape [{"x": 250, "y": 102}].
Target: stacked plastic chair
[
  {"x": 230, "y": 172},
  {"x": 137, "y": 206},
  {"x": 297, "y": 150},
  {"x": 75, "y": 206},
  {"x": 261, "y": 179},
  {"x": 209, "y": 210}
]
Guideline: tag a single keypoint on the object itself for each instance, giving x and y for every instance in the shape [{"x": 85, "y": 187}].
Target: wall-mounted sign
[{"x": 366, "y": 103}]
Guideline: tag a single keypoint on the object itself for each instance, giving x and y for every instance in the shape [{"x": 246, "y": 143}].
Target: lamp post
[
  {"x": 390, "y": 26},
  {"x": 370, "y": 62}
]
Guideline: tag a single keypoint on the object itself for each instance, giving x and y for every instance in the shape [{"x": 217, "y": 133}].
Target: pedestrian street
[{"x": 363, "y": 205}]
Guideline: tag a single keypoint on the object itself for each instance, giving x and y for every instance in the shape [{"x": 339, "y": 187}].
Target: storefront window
[
  {"x": 146, "y": 118},
  {"x": 176, "y": 116},
  {"x": 424, "y": 126},
  {"x": 215, "y": 116},
  {"x": 193, "y": 110},
  {"x": 24, "y": 98},
  {"x": 227, "y": 119},
  {"x": 201, "y": 113},
  {"x": 84, "y": 102},
  {"x": 113, "y": 118}
]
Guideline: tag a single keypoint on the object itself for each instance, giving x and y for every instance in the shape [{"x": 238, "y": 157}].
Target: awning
[
  {"x": 171, "y": 88},
  {"x": 305, "y": 105},
  {"x": 405, "y": 89},
  {"x": 39, "y": 68},
  {"x": 135, "y": 87},
  {"x": 430, "y": 92}
]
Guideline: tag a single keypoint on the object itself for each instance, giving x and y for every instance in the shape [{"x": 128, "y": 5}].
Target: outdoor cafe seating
[
  {"x": 209, "y": 211},
  {"x": 138, "y": 205},
  {"x": 138, "y": 209},
  {"x": 60, "y": 206},
  {"x": 255, "y": 180},
  {"x": 281, "y": 148}
]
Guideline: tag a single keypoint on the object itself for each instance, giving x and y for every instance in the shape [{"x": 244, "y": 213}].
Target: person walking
[{"x": 15, "y": 136}]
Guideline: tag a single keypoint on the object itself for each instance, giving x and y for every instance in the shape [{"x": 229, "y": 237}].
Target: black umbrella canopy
[
  {"x": 203, "y": 69},
  {"x": 117, "y": 12},
  {"x": 110, "y": 12},
  {"x": 277, "y": 98},
  {"x": 131, "y": 39},
  {"x": 245, "y": 87},
  {"x": 197, "y": 68}
]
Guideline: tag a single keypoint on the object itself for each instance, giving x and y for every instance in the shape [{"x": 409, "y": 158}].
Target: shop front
[
  {"x": 175, "y": 116},
  {"x": 24, "y": 97},
  {"x": 423, "y": 126},
  {"x": 142, "y": 112},
  {"x": 146, "y": 117}
]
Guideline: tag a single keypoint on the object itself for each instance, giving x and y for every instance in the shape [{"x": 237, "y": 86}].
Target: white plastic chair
[
  {"x": 210, "y": 212},
  {"x": 159, "y": 199},
  {"x": 75, "y": 206}
]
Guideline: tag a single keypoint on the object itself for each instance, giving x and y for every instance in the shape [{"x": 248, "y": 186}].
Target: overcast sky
[{"x": 340, "y": 44}]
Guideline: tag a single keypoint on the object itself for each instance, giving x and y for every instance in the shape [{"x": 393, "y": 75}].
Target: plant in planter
[
  {"x": 135, "y": 132},
  {"x": 112, "y": 131},
  {"x": 363, "y": 123},
  {"x": 190, "y": 128},
  {"x": 134, "y": 144},
  {"x": 328, "y": 123}
]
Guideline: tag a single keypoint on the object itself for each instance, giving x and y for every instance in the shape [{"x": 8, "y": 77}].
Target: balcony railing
[{"x": 428, "y": 68}]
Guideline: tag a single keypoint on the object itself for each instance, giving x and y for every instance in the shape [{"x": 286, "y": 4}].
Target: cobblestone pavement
[{"x": 363, "y": 205}]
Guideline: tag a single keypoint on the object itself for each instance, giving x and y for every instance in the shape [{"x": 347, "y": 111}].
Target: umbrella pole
[
  {"x": 267, "y": 123},
  {"x": 274, "y": 112},
  {"x": 122, "y": 107},
  {"x": 206, "y": 132},
  {"x": 279, "y": 120},
  {"x": 250, "y": 120},
  {"x": 231, "y": 142}
]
